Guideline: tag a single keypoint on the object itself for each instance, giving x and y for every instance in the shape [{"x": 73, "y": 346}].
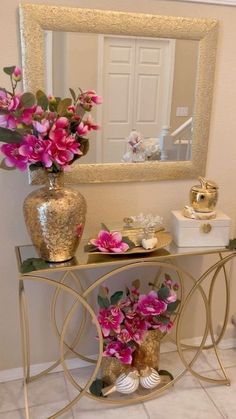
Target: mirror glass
[
  {"x": 154, "y": 73},
  {"x": 147, "y": 85}
]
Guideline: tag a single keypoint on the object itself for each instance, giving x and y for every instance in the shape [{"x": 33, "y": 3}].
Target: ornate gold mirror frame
[{"x": 34, "y": 19}]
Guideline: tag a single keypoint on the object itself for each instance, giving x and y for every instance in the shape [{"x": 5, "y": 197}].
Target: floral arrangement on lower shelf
[{"x": 126, "y": 321}]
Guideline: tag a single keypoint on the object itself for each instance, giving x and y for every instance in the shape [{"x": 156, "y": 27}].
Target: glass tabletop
[{"x": 85, "y": 260}]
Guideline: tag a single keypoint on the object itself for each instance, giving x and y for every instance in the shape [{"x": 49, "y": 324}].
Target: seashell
[
  {"x": 149, "y": 378},
  {"x": 149, "y": 243},
  {"x": 125, "y": 384}
]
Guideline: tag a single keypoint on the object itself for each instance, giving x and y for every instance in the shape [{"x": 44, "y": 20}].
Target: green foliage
[
  {"x": 63, "y": 105},
  {"x": 116, "y": 297},
  {"x": 42, "y": 100},
  {"x": 163, "y": 293},
  {"x": 72, "y": 92},
  {"x": 128, "y": 241},
  {"x": 232, "y": 244},
  {"x": 33, "y": 264},
  {"x": 173, "y": 306},
  {"x": 104, "y": 227},
  {"x": 9, "y": 70},
  {"x": 96, "y": 387},
  {"x": 27, "y": 100},
  {"x": 90, "y": 248},
  {"x": 84, "y": 145},
  {"x": 103, "y": 302},
  {"x": 9, "y": 136}
]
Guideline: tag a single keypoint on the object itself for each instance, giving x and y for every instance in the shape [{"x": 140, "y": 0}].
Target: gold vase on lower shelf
[
  {"x": 55, "y": 218},
  {"x": 146, "y": 355}
]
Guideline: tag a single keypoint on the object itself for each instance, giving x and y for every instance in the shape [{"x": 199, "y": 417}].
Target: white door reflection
[{"x": 146, "y": 84}]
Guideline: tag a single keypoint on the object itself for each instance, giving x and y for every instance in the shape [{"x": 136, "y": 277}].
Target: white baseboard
[{"x": 73, "y": 363}]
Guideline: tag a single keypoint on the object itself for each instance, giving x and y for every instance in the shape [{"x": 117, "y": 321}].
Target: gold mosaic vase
[
  {"x": 55, "y": 218},
  {"x": 146, "y": 355}
]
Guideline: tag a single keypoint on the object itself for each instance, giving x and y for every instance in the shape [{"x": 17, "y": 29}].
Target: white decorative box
[{"x": 189, "y": 232}]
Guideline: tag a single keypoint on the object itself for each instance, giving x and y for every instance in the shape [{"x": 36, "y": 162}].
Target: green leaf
[
  {"x": 27, "y": 100},
  {"x": 4, "y": 166},
  {"x": 72, "y": 92},
  {"x": 84, "y": 145},
  {"x": 128, "y": 241},
  {"x": 79, "y": 110},
  {"x": 90, "y": 248},
  {"x": 164, "y": 372},
  {"x": 173, "y": 306},
  {"x": 96, "y": 387},
  {"x": 136, "y": 283},
  {"x": 42, "y": 99},
  {"x": 9, "y": 70},
  {"x": 63, "y": 105},
  {"x": 9, "y": 136},
  {"x": 232, "y": 244},
  {"x": 33, "y": 264},
  {"x": 116, "y": 297},
  {"x": 103, "y": 292},
  {"x": 163, "y": 293},
  {"x": 103, "y": 302},
  {"x": 104, "y": 227}
]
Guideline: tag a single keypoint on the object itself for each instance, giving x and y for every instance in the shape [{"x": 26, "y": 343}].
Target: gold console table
[{"x": 159, "y": 260}]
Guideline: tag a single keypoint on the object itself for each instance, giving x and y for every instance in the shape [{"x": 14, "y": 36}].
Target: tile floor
[{"x": 189, "y": 398}]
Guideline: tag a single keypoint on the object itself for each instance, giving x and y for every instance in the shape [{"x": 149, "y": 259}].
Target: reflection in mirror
[
  {"x": 147, "y": 84},
  {"x": 115, "y": 86}
]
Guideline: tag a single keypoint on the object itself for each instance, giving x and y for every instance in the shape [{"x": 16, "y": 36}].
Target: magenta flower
[
  {"x": 17, "y": 75},
  {"x": 13, "y": 157},
  {"x": 41, "y": 127},
  {"x": 110, "y": 242},
  {"x": 33, "y": 148},
  {"x": 82, "y": 129},
  {"x": 110, "y": 320},
  {"x": 94, "y": 97},
  {"x": 172, "y": 297},
  {"x": 149, "y": 304},
  {"x": 124, "y": 336},
  {"x": 137, "y": 328},
  {"x": 120, "y": 351},
  {"x": 163, "y": 326}
]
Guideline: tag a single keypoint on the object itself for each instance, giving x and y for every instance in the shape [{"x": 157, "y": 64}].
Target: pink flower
[
  {"x": 94, "y": 97},
  {"x": 63, "y": 149},
  {"x": 110, "y": 320},
  {"x": 110, "y": 242},
  {"x": 14, "y": 103},
  {"x": 137, "y": 328},
  {"x": 41, "y": 127},
  {"x": 163, "y": 326},
  {"x": 172, "y": 297},
  {"x": 82, "y": 129},
  {"x": 150, "y": 305},
  {"x": 35, "y": 149},
  {"x": 124, "y": 336},
  {"x": 120, "y": 351},
  {"x": 17, "y": 75},
  {"x": 13, "y": 157},
  {"x": 88, "y": 122}
]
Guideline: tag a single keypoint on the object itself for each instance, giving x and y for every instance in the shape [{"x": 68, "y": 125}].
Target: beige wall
[
  {"x": 186, "y": 57},
  {"x": 111, "y": 203}
]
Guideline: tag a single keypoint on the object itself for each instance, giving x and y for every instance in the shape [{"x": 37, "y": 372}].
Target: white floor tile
[
  {"x": 224, "y": 396},
  {"x": 186, "y": 399}
]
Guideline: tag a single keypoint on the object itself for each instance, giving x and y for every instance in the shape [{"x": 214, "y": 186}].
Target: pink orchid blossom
[
  {"x": 137, "y": 328},
  {"x": 14, "y": 103},
  {"x": 13, "y": 157},
  {"x": 150, "y": 304},
  {"x": 120, "y": 351},
  {"x": 41, "y": 127},
  {"x": 88, "y": 122},
  {"x": 82, "y": 129},
  {"x": 94, "y": 97},
  {"x": 110, "y": 242},
  {"x": 124, "y": 336},
  {"x": 110, "y": 320},
  {"x": 172, "y": 297},
  {"x": 33, "y": 148}
]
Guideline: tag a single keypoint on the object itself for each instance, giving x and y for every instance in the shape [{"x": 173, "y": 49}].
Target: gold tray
[{"x": 163, "y": 240}]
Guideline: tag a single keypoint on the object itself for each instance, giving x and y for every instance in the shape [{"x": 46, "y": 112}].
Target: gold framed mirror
[{"x": 36, "y": 19}]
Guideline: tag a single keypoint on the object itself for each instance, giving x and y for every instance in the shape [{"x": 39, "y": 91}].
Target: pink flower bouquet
[
  {"x": 126, "y": 319},
  {"x": 44, "y": 131}
]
